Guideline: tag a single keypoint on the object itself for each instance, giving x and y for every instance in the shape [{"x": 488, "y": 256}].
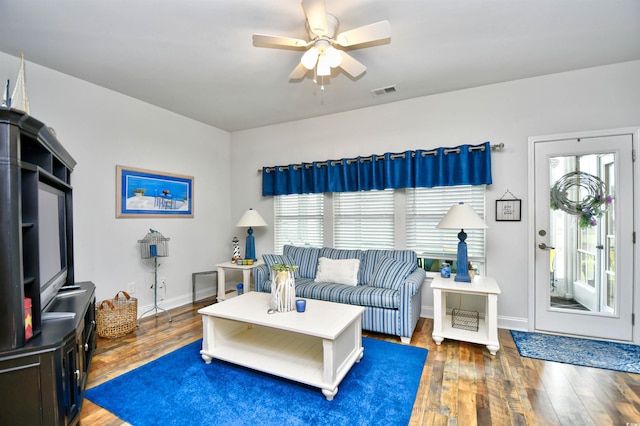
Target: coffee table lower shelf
[{"x": 312, "y": 360}]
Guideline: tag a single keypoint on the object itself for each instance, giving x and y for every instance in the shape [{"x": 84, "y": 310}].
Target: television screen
[{"x": 51, "y": 241}]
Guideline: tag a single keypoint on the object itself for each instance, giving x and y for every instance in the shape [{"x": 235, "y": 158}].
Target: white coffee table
[{"x": 316, "y": 347}]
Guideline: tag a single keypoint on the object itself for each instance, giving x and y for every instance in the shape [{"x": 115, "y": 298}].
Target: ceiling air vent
[{"x": 384, "y": 90}]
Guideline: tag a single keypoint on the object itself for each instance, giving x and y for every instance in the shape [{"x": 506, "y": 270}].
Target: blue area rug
[
  {"x": 179, "y": 388},
  {"x": 576, "y": 351}
]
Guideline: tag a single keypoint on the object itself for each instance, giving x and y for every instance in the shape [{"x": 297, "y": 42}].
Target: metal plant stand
[{"x": 154, "y": 245}]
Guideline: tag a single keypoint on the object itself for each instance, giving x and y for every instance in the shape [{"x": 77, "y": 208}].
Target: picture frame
[
  {"x": 509, "y": 210},
  {"x": 144, "y": 193}
]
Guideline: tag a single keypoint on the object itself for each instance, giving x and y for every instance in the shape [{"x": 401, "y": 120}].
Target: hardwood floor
[{"x": 461, "y": 384}]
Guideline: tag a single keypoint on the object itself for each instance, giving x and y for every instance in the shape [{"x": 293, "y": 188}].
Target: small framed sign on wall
[{"x": 508, "y": 209}]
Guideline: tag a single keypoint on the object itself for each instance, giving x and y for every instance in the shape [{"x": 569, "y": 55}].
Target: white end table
[
  {"x": 487, "y": 333},
  {"x": 246, "y": 277}
]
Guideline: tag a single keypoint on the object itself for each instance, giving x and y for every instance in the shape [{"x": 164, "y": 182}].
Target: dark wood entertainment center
[{"x": 43, "y": 374}]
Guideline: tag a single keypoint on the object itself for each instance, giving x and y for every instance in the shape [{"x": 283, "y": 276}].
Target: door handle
[{"x": 543, "y": 246}]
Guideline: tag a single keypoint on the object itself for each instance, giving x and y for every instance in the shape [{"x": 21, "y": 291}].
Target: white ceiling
[{"x": 196, "y": 57}]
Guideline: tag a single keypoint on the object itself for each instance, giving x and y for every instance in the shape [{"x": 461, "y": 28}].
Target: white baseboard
[{"x": 176, "y": 302}]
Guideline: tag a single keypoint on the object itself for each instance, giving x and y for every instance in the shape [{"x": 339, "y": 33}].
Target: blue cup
[
  {"x": 301, "y": 305},
  {"x": 240, "y": 289}
]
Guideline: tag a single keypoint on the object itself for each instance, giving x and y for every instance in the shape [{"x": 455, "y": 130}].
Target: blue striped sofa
[{"x": 389, "y": 284}]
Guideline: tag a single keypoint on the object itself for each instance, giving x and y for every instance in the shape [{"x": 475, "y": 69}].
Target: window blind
[
  {"x": 364, "y": 220},
  {"x": 427, "y": 206},
  {"x": 298, "y": 220}
]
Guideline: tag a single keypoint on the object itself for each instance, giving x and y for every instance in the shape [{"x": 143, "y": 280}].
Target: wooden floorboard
[{"x": 461, "y": 383}]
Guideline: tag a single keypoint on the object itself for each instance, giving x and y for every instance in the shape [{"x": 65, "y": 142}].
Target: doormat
[{"x": 577, "y": 351}]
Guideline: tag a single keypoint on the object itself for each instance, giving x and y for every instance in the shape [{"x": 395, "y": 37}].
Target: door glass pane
[
  {"x": 610, "y": 237},
  {"x": 582, "y": 271}
]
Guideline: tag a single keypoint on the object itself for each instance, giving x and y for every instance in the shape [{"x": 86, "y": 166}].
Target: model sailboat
[
  {"x": 6, "y": 100},
  {"x": 18, "y": 99}
]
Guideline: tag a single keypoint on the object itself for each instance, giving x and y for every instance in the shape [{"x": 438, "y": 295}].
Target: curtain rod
[{"x": 494, "y": 147}]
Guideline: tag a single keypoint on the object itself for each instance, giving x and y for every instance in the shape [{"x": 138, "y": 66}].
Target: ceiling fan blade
[
  {"x": 298, "y": 72},
  {"x": 316, "y": 14},
  {"x": 269, "y": 40},
  {"x": 351, "y": 66},
  {"x": 368, "y": 33}
]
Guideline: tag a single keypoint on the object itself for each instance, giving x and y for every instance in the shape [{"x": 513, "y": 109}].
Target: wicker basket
[
  {"x": 465, "y": 320},
  {"x": 117, "y": 317}
]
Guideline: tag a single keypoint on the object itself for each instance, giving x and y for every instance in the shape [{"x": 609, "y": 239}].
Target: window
[
  {"x": 363, "y": 220},
  {"x": 298, "y": 220},
  {"x": 388, "y": 219},
  {"x": 426, "y": 207}
]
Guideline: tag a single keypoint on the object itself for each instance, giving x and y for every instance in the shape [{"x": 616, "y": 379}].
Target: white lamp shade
[
  {"x": 334, "y": 56},
  {"x": 323, "y": 66},
  {"x": 251, "y": 219},
  {"x": 310, "y": 58},
  {"x": 461, "y": 216}
]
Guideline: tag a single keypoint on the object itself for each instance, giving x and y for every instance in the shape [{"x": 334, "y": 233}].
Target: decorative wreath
[{"x": 591, "y": 207}]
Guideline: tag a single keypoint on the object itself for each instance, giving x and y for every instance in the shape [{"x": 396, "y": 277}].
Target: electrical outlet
[
  {"x": 162, "y": 282},
  {"x": 132, "y": 287}
]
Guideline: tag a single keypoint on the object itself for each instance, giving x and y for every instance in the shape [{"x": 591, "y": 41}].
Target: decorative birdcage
[{"x": 154, "y": 244}]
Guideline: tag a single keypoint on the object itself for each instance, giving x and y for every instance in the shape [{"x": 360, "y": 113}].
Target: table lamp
[
  {"x": 462, "y": 216},
  {"x": 251, "y": 218}
]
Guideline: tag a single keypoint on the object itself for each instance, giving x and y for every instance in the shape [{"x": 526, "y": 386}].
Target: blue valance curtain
[{"x": 461, "y": 165}]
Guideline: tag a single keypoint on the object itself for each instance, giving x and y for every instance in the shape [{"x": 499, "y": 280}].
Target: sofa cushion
[
  {"x": 390, "y": 273},
  {"x": 305, "y": 257},
  {"x": 371, "y": 257},
  {"x": 360, "y": 295},
  {"x": 274, "y": 259},
  {"x": 340, "y": 271},
  {"x": 333, "y": 253}
]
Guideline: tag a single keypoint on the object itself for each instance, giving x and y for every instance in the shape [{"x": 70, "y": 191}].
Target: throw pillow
[
  {"x": 333, "y": 253},
  {"x": 273, "y": 259},
  {"x": 390, "y": 273},
  {"x": 340, "y": 271},
  {"x": 305, "y": 257},
  {"x": 370, "y": 259}
]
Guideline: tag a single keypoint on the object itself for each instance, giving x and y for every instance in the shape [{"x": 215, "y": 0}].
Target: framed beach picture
[{"x": 147, "y": 193}]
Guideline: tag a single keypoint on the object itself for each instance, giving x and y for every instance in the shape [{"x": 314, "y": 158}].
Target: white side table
[
  {"x": 487, "y": 333},
  {"x": 246, "y": 277}
]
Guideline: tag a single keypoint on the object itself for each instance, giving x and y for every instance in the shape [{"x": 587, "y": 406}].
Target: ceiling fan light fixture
[
  {"x": 334, "y": 57},
  {"x": 310, "y": 58},
  {"x": 323, "y": 66},
  {"x": 321, "y": 54}
]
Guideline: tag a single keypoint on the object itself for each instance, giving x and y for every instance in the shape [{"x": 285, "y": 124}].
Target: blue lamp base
[
  {"x": 462, "y": 273},
  {"x": 250, "y": 248}
]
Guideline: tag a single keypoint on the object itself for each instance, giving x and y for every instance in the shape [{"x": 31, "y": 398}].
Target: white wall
[
  {"x": 590, "y": 99},
  {"x": 101, "y": 129}
]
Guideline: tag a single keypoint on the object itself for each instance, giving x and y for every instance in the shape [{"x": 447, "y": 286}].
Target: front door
[{"x": 583, "y": 227}]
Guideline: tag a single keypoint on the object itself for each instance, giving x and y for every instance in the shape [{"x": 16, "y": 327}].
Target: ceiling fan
[{"x": 323, "y": 48}]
